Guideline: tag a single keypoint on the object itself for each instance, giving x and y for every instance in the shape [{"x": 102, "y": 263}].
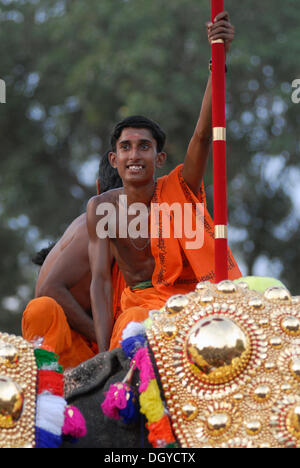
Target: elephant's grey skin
[{"x": 85, "y": 388}]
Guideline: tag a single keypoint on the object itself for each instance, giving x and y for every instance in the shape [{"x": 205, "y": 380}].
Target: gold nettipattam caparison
[
  {"x": 229, "y": 365},
  {"x": 18, "y": 384}
]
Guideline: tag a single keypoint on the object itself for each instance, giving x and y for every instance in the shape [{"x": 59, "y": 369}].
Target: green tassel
[{"x": 47, "y": 358}]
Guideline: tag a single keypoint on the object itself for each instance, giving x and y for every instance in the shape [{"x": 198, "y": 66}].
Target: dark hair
[
  {"x": 108, "y": 176},
  {"x": 138, "y": 121},
  {"x": 40, "y": 257}
]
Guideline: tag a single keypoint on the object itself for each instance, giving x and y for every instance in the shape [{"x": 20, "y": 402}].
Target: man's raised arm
[
  {"x": 198, "y": 149},
  {"x": 101, "y": 283}
]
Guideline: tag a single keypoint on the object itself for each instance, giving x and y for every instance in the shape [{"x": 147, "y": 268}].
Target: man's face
[{"x": 136, "y": 156}]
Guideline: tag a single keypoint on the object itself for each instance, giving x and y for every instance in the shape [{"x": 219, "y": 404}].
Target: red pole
[{"x": 219, "y": 150}]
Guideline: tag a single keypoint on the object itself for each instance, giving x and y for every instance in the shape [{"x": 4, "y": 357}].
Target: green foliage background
[{"x": 73, "y": 68}]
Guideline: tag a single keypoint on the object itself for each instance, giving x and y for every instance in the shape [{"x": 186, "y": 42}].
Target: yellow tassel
[{"x": 151, "y": 404}]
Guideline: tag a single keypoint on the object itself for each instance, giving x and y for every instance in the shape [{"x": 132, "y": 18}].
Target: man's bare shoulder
[
  {"x": 93, "y": 214},
  {"x": 75, "y": 238},
  {"x": 77, "y": 229},
  {"x": 110, "y": 196},
  {"x": 76, "y": 222}
]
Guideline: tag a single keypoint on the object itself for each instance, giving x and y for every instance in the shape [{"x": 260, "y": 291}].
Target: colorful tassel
[
  {"x": 47, "y": 359},
  {"x": 160, "y": 433},
  {"x": 45, "y": 439},
  {"x": 133, "y": 329},
  {"x": 50, "y": 412},
  {"x": 143, "y": 363},
  {"x": 120, "y": 401},
  {"x": 52, "y": 382},
  {"x": 52, "y": 419},
  {"x": 151, "y": 404},
  {"x": 130, "y": 413},
  {"x": 115, "y": 400},
  {"x": 74, "y": 423},
  {"x": 131, "y": 345},
  {"x": 134, "y": 345}
]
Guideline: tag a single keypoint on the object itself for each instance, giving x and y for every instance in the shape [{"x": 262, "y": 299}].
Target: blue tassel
[
  {"x": 132, "y": 344},
  {"x": 130, "y": 414},
  {"x": 45, "y": 439}
]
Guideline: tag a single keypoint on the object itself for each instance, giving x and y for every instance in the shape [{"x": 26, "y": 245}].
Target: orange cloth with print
[
  {"x": 118, "y": 284},
  {"x": 178, "y": 268},
  {"x": 45, "y": 318}
]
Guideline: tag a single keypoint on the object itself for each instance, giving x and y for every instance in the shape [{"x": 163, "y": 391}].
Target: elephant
[
  {"x": 217, "y": 367},
  {"x": 85, "y": 387}
]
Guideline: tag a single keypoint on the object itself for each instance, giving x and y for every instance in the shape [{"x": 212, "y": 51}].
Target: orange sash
[{"x": 171, "y": 254}]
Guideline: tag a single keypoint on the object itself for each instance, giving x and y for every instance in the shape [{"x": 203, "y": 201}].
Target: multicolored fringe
[
  {"x": 54, "y": 418},
  {"x": 134, "y": 345}
]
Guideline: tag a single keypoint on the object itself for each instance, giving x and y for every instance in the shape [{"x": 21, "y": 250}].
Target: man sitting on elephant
[{"x": 60, "y": 314}]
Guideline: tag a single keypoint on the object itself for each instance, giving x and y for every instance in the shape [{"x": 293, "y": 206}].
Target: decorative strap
[
  {"x": 149, "y": 400},
  {"x": 33, "y": 411}
]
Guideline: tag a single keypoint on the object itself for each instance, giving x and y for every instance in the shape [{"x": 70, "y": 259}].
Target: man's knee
[
  {"x": 40, "y": 315},
  {"x": 41, "y": 307},
  {"x": 45, "y": 318}
]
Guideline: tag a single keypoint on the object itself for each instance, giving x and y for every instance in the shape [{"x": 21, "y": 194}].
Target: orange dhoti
[
  {"x": 136, "y": 304},
  {"x": 44, "y": 318}
]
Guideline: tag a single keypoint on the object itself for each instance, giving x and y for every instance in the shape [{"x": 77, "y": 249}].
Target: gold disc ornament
[
  {"x": 18, "y": 383},
  {"x": 230, "y": 372}
]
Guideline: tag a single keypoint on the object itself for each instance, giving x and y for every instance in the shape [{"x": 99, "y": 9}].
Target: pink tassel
[
  {"x": 143, "y": 363},
  {"x": 74, "y": 424},
  {"x": 115, "y": 400}
]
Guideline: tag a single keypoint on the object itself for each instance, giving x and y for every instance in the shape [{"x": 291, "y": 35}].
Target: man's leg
[{"x": 44, "y": 318}]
